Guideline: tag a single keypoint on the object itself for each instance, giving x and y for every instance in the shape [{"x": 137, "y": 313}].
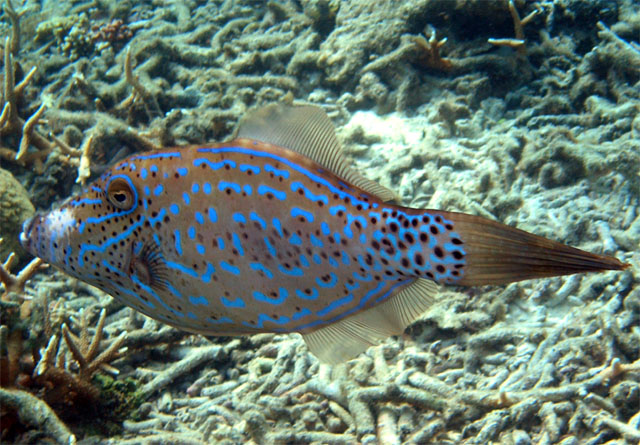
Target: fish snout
[{"x": 28, "y": 239}]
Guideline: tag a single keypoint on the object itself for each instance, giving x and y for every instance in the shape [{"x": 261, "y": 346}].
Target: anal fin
[{"x": 344, "y": 339}]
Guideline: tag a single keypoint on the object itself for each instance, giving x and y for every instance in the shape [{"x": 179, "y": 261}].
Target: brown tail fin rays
[{"x": 499, "y": 254}]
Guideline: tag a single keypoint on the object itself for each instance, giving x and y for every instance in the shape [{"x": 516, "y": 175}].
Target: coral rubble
[{"x": 449, "y": 119}]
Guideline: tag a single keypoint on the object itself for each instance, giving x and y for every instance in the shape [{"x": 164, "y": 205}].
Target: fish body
[{"x": 272, "y": 232}]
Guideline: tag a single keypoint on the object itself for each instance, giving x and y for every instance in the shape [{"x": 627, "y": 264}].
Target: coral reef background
[{"x": 525, "y": 112}]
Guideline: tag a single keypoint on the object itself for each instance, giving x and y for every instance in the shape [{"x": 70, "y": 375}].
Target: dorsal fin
[
  {"x": 307, "y": 130},
  {"x": 350, "y": 336}
]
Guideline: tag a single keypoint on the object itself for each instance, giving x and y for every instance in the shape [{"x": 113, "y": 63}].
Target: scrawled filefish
[{"x": 274, "y": 232}]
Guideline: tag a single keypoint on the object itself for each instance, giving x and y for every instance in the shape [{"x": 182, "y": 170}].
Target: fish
[{"x": 274, "y": 231}]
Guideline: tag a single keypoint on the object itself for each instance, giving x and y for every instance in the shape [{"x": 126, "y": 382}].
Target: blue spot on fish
[
  {"x": 238, "y": 302},
  {"x": 178, "y": 243},
  {"x": 202, "y": 301},
  {"x": 224, "y": 185},
  {"x": 229, "y": 268},
  {"x": 283, "y": 294},
  {"x": 213, "y": 215},
  {"x": 295, "y": 212},
  {"x": 279, "y": 194}
]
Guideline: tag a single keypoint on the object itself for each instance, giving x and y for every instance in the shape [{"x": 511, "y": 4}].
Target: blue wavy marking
[
  {"x": 195, "y": 187},
  {"x": 271, "y": 169},
  {"x": 345, "y": 258},
  {"x": 239, "y": 218},
  {"x": 208, "y": 273},
  {"x": 157, "y": 156},
  {"x": 153, "y": 293},
  {"x": 315, "y": 241},
  {"x": 361, "y": 304},
  {"x": 278, "y": 226},
  {"x": 182, "y": 171},
  {"x": 330, "y": 284},
  {"x": 147, "y": 190},
  {"x": 293, "y": 272},
  {"x": 313, "y": 296},
  {"x": 365, "y": 278},
  {"x": 191, "y": 232},
  {"x": 325, "y": 228},
  {"x": 351, "y": 287},
  {"x": 238, "y": 302},
  {"x": 67, "y": 254},
  {"x": 289, "y": 163},
  {"x": 281, "y": 320},
  {"x": 229, "y": 268},
  {"x": 113, "y": 269},
  {"x": 252, "y": 168},
  {"x": 113, "y": 240},
  {"x": 87, "y": 201},
  {"x": 186, "y": 198},
  {"x": 212, "y": 214},
  {"x": 295, "y": 212},
  {"x": 181, "y": 268},
  {"x": 221, "y": 243},
  {"x": 316, "y": 258},
  {"x": 223, "y": 185},
  {"x": 199, "y": 218},
  {"x": 174, "y": 208},
  {"x": 304, "y": 261},
  {"x": 247, "y": 189},
  {"x": 135, "y": 295},
  {"x": 296, "y": 185},
  {"x": 206, "y": 188},
  {"x": 200, "y": 249},
  {"x": 295, "y": 239},
  {"x": 172, "y": 289},
  {"x": 335, "y": 305},
  {"x": 221, "y": 320},
  {"x": 335, "y": 209},
  {"x": 282, "y": 296},
  {"x": 279, "y": 194},
  {"x": 255, "y": 217},
  {"x": 201, "y": 301},
  {"x": 178, "y": 243},
  {"x": 159, "y": 217},
  {"x": 235, "y": 239},
  {"x": 261, "y": 267},
  {"x": 214, "y": 165}
]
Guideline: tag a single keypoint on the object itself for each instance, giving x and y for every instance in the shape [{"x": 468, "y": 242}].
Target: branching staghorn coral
[
  {"x": 16, "y": 283},
  {"x": 518, "y": 24},
  {"x": 12, "y": 125}
]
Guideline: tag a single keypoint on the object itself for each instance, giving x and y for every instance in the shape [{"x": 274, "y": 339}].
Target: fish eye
[{"x": 120, "y": 194}]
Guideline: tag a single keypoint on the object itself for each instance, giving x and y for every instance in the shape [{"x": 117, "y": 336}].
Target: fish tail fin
[{"x": 495, "y": 253}]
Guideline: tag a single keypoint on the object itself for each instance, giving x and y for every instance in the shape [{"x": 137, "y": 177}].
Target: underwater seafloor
[{"x": 539, "y": 128}]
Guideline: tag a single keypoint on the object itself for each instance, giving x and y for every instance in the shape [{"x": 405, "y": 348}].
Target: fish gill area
[{"x": 524, "y": 112}]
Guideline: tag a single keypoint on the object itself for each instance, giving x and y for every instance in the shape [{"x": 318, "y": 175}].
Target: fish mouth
[{"x": 26, "y": 236}]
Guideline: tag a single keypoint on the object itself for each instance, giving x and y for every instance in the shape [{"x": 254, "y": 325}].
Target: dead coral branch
[
  {"x": 16, "y": 283},
  {"x": 11, "y": 124},
  {"x": 518, "y": 24}
]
